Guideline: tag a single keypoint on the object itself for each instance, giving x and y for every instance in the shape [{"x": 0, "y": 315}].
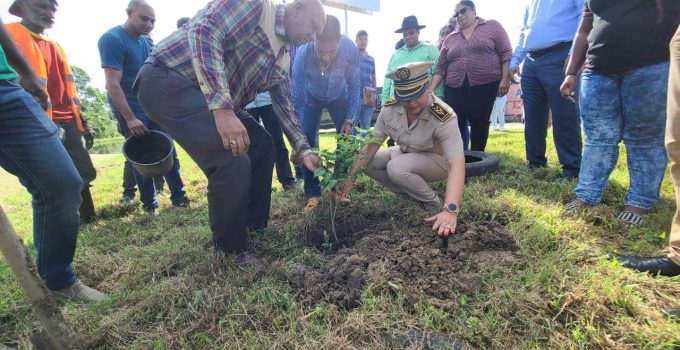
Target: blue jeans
[
  {"x": 31, "y": 150},
  {"x": 498, "y": 112},
  {"x": 541, "y": 80},
  {"x": 147, "y": 189},
  {"x": 363, "y": 119},
  {"x": 310, "y": 126},
  {"x": 629, "y": 107}
]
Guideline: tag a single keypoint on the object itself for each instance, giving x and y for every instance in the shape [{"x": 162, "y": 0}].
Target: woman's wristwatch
[{"x": 451, "y": 208}]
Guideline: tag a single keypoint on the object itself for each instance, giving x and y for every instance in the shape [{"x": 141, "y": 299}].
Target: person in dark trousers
[
  {"x": 261, "y": 109},
  {"x": 123, "y": 50},
  {"x": 473, "y": 64},
  {"x": 31, "y": 150},
  {"x": 49, "y": 61},
  {"x": 196, "y": 84},
  {"x": 544, "y": 45}
]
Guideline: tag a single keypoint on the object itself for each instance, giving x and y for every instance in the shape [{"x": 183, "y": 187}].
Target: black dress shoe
[{"x": 661, "y": 265}]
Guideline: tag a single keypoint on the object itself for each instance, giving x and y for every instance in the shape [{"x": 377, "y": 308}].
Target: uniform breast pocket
[{"x": 422, "y": 145}]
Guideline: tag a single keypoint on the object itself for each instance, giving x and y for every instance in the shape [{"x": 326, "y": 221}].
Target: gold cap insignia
[{"x": 403, "y": 73}]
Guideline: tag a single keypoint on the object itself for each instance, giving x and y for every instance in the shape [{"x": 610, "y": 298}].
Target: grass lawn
[{"x": 169, "y": 290}]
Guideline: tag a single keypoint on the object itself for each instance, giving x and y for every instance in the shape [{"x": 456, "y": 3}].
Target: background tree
[{"x": 95, "y": 108}]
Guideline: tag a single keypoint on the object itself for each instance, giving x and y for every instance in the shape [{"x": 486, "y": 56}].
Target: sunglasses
[{"x": 462, "y": 12}]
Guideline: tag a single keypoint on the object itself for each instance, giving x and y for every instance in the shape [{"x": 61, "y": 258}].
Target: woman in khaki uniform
[{"x": 429, "y": 148}]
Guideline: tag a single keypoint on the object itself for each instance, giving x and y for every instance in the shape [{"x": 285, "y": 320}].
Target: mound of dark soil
[{"x": 412, "y": 261}]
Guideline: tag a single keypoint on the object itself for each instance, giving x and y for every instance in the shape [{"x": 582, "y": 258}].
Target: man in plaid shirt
[{"x": 196, "y": 84}]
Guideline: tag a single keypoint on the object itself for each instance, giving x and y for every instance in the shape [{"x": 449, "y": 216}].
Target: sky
[{"x": 80, "y": 23}]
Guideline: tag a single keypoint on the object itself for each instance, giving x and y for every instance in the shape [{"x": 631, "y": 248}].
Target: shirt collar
[
  {"x": 420, "y": 43},
  {"x": 279, "y": 27}
]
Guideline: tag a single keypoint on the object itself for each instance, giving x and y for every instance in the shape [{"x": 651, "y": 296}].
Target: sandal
[
  {"x": 631, "y": 219},
  {"x": 577, "y": 205},
  {"x": 312, "y": 203}
]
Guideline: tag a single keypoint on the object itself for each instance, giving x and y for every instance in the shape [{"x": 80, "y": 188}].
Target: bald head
[
  {"x": 304, "y": 19},
  {"x": 135, "y": 4},
  {"x": 141, "y": 18}
]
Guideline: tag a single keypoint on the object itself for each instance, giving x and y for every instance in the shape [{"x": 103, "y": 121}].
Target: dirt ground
[{"x": 412, "y": 261}]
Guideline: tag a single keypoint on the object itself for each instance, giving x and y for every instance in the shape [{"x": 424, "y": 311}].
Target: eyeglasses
[{"x": 462, "y": 12}]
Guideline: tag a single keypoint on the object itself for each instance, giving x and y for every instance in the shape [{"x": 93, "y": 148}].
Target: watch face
[{"x": 451, "y": 207}]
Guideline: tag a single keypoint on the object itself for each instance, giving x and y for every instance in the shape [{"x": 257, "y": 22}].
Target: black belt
[{"x": 549, "y": 49}]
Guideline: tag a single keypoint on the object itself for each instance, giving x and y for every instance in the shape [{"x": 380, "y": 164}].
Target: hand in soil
[
  {"x": 342, "y": 190},
  {"x": 444, "y": 223}
]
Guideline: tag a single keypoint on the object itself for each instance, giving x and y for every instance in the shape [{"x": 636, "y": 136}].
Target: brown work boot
[
  {"x": 312, "y": 203},
  {"x": 79, "y": 293}
]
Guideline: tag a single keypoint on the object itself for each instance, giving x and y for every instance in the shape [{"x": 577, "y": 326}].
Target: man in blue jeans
[
  {"x": 31, "y": 150},
  {"x": 364, "y": 116},
  {"x": 544, "y": 45},
  {"x": 325, "y": 75},
  {"x": 123, "y": 50}
]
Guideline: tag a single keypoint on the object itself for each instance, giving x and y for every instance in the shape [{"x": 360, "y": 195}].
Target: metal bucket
[{"x": 151, "y": 154}]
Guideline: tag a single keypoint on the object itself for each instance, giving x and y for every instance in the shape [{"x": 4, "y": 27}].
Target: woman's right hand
[{"x": 568, "y": 88}]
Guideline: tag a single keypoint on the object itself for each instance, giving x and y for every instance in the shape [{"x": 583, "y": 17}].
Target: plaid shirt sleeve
[
  {"x": 284, "y": 111},
  {"x": 224, "y": 26}
]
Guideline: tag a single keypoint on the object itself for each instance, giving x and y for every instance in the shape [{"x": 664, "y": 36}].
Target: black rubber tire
[{"x": 479, "y": 163}]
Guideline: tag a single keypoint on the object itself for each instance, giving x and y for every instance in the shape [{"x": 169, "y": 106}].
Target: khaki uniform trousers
[
  {"x": 409, "y": 173},
  {"x": 673, "y": 140}
]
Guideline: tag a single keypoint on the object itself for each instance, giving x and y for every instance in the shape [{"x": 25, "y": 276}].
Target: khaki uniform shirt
[{"x": 428, "y": 133}]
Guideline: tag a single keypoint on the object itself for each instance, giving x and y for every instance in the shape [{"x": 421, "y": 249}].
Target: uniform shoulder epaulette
[
  {"x": 440, "y": 111},
  {"x": 390, "y": 102}
]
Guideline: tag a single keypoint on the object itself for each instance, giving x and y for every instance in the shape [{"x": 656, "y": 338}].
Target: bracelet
[
  {"x": 568, "y": 74},
  {"x": 306, "y": 152}
]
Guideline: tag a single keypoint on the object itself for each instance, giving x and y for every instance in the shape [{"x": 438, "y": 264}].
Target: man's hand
[
  {"x": 89, "y": 139},
  {"x": 136, "y": 127},
  {"x": 568, "y": 88},
  {"x": 504, "y": 87},
  {"x": 234, "y": 134},
  {"x": 444, "y": 223},
  {"x": 33, "y": 86},
  {"x": 311, "y": 161},
  {"x": 514, "y": 71},
  {"x": 346, "y": 127},
  {"x": 342, "y": 190}
]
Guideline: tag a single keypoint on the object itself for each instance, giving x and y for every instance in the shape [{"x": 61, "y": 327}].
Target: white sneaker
[
  {"x": 81, "y": 293},
  {"x": 502, "y": 128}
]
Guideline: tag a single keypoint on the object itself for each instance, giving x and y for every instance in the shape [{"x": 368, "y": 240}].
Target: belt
[{"x": 549, "y": 49}]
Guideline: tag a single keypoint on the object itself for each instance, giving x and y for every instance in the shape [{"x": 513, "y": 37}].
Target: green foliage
[
  {"x": 336, "y": 164},
  {"x": 94, "y": 106}
]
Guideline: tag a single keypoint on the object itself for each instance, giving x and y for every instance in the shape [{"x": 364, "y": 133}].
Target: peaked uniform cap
[{"x": 410, "y": 80}]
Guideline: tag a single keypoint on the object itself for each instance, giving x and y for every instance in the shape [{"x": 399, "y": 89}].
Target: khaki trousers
[
  {"x": 673, "y": 140},
  {"x": 409, "y": 173}
]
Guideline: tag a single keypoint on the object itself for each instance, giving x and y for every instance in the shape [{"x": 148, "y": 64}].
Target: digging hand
[{"x": 444, "y": 223}]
